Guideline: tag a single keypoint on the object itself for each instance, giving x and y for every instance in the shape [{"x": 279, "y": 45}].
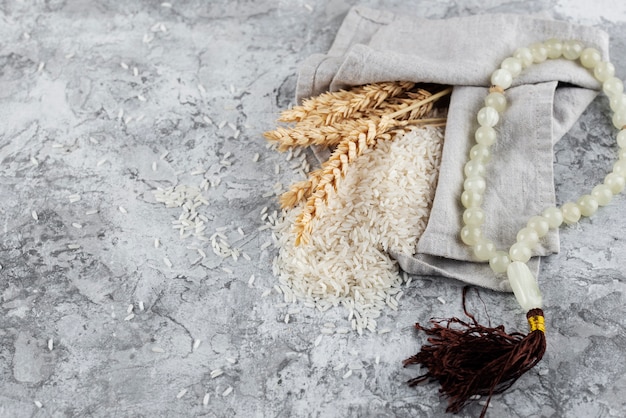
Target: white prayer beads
[{"x": 514, "y": 261}]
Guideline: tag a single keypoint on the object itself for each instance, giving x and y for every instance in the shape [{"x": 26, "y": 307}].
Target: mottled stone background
[{"x": 92, "y": 93}]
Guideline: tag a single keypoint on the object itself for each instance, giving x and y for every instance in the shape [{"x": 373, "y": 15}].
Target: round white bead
[
  {"x": 475, "y": 184},
  {"x": 603, "y": 70},
  {"x": 554, "y": 47},
  {"x": 525, "y": 56},
  {"x": 488, "y": 116},
  {"x": 613, "y": 86},
  {"x": 475, "y": 216},
  {"x": 539, "y": 224},
  {"x": 485, "y": 135},
  {"x": 480, "y": 152},
  {"x": 539, "y": 51},
  {"x": 590, "y": 57},
  {"x": 619, "y": 118},
  {"x": 496, "y": 100},
  {"x": 474, "y": 168},
  {"x": 471, "y": 234},
  {"x": 484, "y": 249},
  {"x": 621, "y": 138},
  {"x": 571, "y": 213},
  {"x": 615, "y": 182},
  {"x": 572, "y": 49},
  {"x": 471, "y": 199},
  {"x": 554, "y": 216},
  {"x": 513, "y": 65},
  {"x": 602, "y": 193},
  {"x": 622, "y": 154},
  {"x": 520, "y": 251},
  {"x": 588, "y": 205},
  {"x": 501, "y": 78},
  {"x": 499, "y": 262},
  {"x": 618, "y": 102},
  {"x": 620, "y": 168},
  {"x": 528, "y": 235}
]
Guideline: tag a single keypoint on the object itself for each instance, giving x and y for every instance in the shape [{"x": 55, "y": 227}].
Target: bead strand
[{"x": 569, "y": 213}]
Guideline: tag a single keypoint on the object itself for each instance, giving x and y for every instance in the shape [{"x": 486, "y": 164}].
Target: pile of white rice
[{"x": 382, "y": 204}]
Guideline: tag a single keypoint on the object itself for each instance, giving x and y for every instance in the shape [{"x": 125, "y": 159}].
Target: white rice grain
[
  {"x": 266, "y": 293},
  {"x": 130, "y": 308},
  {"x": 73, "y": 246},
  {"x": 124, "y": 65},
  {"x": 50, "y": 344},
  {"x": 74, "y": 198},
  {"x": 441, "y": 300},
  {"x": 196, "y": 344},
  {"x": 201, "y": 88},
  {"x": 227, "y": 392},
  {"x": 205, "y": 400},
  {"x": 347, "y": 374},
  {"x": 251, "y": 280},
  {"x": 231, "y": 360},
  {"x": 34, "y": 161},
  {"x": 38, "y": 404},
  {"x": 287, "y": 317},
  {"x": 141, "y": 305},
  {"x": 129, "y": 317},
  {"x": 182, "y": 393},
  {"x": 135, "y": 71},
  {"x": 318, "y": 340},
  {"x": 347, "y": 260},
  {"x": 77, "y": 225},
  {"x": 167, "y": 262},
  {"x": 34, "y": 214},
  {"x": 122, "y": 209},
  {"x": 157, "y": 243},
  {"x": 256, "y": 157},
  {"x": 157, "y": 349},
  {"x": 91, "y": 212}
]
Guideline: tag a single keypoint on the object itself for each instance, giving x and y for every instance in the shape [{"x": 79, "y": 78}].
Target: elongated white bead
[
  {"x": 501, "y": 78},
  {"x": 572, "y": 49},
  {"x": 524, "y": 286},
  {"x": 488, "y": 116},
  {"x": 513, "y": 65},
  {"x": 525, "y": 56},
  {"x": 485, "y": 135},
  {"x": 590, "y": 57},
  {"x": 603, "y": 70}
]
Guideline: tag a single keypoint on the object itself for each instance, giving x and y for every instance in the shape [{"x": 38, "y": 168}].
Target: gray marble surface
[{"x": 93, "y": 93}]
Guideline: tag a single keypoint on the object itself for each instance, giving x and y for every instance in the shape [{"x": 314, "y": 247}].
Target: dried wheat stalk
[
  {"x": 351, "y": 121},
  {"x": 334, "y": 106}
]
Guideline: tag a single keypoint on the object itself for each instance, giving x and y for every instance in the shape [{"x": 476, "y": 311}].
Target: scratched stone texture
[{"x": 103, "y": 102}]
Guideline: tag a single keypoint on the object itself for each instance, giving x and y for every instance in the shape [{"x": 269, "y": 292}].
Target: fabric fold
[{"x": 543, "y": 103}]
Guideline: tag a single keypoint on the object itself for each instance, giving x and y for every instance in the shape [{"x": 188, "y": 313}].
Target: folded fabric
[{"x": 543, "y": 103}]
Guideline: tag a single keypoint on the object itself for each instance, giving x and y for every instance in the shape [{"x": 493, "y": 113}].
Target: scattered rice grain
[
  {"x": 318, "y": 340},
  {"x": 129, "y": 317},
  {"x": 441, "y": 300},
  {"x": 77, "y": 225},
  {"x": 122, "y": 209},
  {"x": 50, "y": 344},
  {"x": 347, "y": 374},
  {"x": 227, "y": 270},
  {"x": 227, "y": 392},
  {"x": 167, "y": 262},
  {"x": 196, "y": 344},
  {"x": 38, "y": 404},
  {"x": 205, "y": 400},
  {"x": 73, "y": 246},
  {"x": 33, "y": 213},
  {"x": 157, "y": 349},
  {"x": 181, "y": 393}
]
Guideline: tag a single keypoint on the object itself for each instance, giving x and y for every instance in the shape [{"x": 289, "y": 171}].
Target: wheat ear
[{"x": 333, "y": 106}]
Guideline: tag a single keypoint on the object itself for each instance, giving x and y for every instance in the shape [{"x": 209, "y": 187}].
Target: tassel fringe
[{"x": 471, "y": 361}]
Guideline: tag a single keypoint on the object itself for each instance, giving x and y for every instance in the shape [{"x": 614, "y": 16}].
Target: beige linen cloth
[{"x": 543, "y": 103}]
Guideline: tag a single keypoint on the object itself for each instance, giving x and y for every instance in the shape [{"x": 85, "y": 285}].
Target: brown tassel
[{"x": 472, "y": 361}]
